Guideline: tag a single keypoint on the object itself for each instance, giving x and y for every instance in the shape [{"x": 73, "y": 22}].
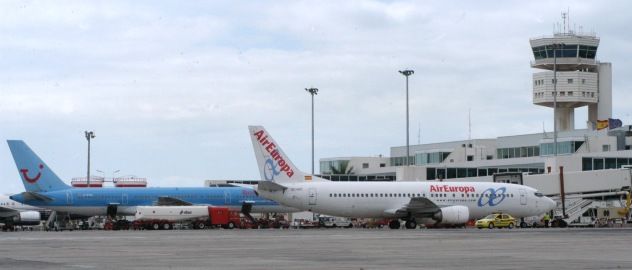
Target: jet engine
[
  {"x": 456, "y": 214},
  {"x": 27, "y": 218}
]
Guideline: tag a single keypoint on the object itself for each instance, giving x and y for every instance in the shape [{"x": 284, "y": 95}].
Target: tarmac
[{"x": 569, "y": 248}]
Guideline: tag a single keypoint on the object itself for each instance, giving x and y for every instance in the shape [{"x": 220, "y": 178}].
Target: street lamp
[
  {"x": 556, "y": 47},
  {"x": 407, "y": 73},
  {"x": 312, "y": 91},
  {"x": 89, "y": 136}
]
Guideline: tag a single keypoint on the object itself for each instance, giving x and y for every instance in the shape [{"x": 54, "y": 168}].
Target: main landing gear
[
  {"x": 394, "y": 224},
  {"x": 410, "y": 224}
]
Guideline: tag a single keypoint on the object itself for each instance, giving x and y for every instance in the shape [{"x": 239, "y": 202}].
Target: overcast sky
[{"x": 169, "y": 88}]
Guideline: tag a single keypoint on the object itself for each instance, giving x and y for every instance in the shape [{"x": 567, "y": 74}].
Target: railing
[{"x": 575, "y": 208}]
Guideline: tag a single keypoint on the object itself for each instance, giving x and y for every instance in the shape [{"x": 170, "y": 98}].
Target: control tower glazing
[{"x": 582, "y": 81}]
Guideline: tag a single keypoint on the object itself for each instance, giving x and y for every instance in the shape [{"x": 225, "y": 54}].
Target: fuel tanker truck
[{"x": 200, "y": 217}]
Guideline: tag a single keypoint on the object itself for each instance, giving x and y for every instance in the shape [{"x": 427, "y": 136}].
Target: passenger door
[
  {"x": 226, "y": 198},
  {"x": 68, "y": 197},
  {"x": 312, "y": 195},
  {"x": 523, "y": 197}
]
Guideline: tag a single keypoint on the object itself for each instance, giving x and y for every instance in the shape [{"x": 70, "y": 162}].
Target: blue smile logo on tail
[{"x": 492, "y": 197}]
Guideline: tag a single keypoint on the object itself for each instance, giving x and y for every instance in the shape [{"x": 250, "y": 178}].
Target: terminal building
[{"x": 589, "y": 166}]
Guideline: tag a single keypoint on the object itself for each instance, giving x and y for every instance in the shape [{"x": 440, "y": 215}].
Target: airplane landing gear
[
  {"x": 411, "y": 224},
  {"x": 394, "y": 224}
]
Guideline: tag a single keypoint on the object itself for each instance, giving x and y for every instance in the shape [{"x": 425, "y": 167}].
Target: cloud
[{"x": 170, "y": 87}]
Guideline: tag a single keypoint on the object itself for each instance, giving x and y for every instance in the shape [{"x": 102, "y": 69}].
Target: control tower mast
[{"x": 582, "y": 81}]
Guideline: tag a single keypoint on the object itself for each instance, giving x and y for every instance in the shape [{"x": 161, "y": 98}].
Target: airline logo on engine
[
  {"x": 275, "y": 164},
  {"x": 448, "y": 188}
]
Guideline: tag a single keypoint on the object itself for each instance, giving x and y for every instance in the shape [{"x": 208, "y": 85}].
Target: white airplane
[
  {"x": 428, "y": 202},
  {"x": 15, "y": 213}
]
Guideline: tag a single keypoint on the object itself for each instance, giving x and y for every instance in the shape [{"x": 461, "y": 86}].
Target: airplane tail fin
[
  {"x": 274, "y": 165},
  {"x": 35, "y": 174}
]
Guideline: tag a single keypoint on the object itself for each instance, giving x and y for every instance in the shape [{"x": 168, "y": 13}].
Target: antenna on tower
[
  {"x": 564, "y": 15},
  {"x": 568, "y": 13},
  {"x": 419, "y": 134},
  {"x": 469, "y": 123}
]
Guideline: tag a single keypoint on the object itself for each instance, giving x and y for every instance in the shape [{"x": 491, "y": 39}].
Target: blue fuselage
[{"x": 95, "y": 201}]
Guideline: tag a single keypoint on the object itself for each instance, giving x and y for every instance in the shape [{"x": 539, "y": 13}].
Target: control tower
[{"x": 583, "y": 81}]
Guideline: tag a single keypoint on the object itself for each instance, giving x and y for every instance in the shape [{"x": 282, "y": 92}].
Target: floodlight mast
[
  {"x": 312, "y": 91},
  {"x": 407, "y": 73}
]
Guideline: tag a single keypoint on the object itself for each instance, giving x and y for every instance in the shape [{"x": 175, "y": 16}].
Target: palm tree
[{"x": 342, "y": 169}]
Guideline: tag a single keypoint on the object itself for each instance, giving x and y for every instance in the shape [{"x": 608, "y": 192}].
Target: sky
[{"x": 169, "y": 87}]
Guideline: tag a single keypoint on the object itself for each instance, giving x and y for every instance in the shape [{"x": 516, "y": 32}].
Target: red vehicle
[{"x": 219, "y": 217}]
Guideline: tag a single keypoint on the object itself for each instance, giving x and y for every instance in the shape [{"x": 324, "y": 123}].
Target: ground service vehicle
[
  {"x": 199, "y": 217},
  {"x": 333, "y": 222},
  {"x": 496, "y": 220}
]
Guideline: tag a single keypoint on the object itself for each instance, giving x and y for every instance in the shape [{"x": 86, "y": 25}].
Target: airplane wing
[
  {"x": 171, "y": 201},
  {"x": 7, "y": 212},
  {"x": 418, "y": 207},
  {"x": 270, "y": 186}
]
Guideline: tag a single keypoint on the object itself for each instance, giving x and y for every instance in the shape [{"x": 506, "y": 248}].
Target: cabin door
[
  {"x": 523, "y": 197},
  {"x": 68, "y": 197},
  {"x": 226, "y": 198},
  {"x": 312, "y": 195}
]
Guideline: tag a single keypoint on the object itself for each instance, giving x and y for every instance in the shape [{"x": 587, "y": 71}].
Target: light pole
[
  {"x": 89, "y": 136},
  {"x": 407, "y": 73},
  {"x": 312, "y": 91}
]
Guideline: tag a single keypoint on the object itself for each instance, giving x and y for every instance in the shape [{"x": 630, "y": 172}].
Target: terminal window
[{"x": 600, "y": 163}]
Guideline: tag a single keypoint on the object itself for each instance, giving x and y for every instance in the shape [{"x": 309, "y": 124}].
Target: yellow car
[{"x": 496, "y": 220}]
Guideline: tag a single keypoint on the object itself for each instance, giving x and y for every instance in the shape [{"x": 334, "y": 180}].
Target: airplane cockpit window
[{"x": 538, "y": 194}]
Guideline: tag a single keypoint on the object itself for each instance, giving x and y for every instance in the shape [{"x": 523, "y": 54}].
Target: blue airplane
[{"x": 46, "y": 190}]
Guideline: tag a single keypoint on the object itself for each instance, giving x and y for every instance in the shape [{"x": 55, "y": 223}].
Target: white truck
[{"x": 333, "y": 222}]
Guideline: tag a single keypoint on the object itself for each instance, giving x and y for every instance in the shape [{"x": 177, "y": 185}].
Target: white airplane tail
[{"x": 273, "y": 164}]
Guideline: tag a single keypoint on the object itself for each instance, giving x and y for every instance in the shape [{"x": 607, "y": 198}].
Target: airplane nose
[{"x": 551, "y": 203}]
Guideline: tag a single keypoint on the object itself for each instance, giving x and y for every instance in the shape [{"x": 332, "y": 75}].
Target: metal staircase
[
  {"x": 575, "y": 208},
  {"x": 50, "y": 222}
]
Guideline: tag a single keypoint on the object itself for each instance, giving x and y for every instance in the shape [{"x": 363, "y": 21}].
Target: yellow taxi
[{"x": 496, "y": 220}]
